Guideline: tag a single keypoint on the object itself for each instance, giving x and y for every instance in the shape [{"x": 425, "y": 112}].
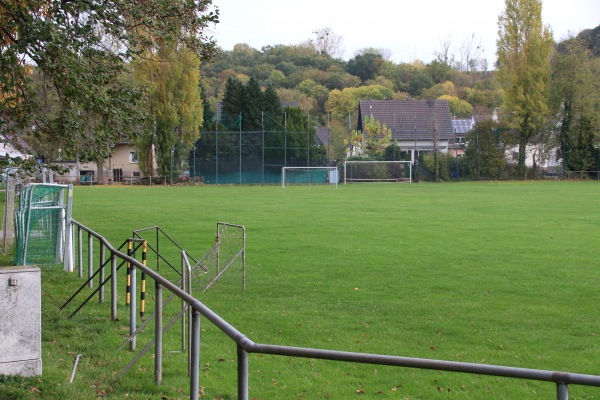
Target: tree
[
  {"x": 253, "y": 103},
  {"x": 175, "y": 104},
  {"x": 458, "y": 108},
  {"x": 421, "y": 81},
  {"x": 485, "y": 153},
  {"x": 373, "y": 140},
  {"x": 470, "y": 54},
  {"x": 365, "y": 66},
  {"x": 81, "y": 49},
  {"x": 524, "y": 49},
  {"x": 233, "y": 102},
  {"x": 575, "y": 102},
  {"x": 326, "y": 42}
]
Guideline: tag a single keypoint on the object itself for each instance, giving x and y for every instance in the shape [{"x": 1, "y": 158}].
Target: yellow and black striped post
[
  {"x": 143, "y": 293},
  {"x": 128, "y": 289}
]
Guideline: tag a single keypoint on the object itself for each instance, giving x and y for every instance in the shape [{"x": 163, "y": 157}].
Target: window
[{"x": 133, "y": 157}]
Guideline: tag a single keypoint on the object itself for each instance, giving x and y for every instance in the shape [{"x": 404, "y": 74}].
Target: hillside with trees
[
  {"x": 80, "y": 84},
  {"x": 330, "y": 88}
]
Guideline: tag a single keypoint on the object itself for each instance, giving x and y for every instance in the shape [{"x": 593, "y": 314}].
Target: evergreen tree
[
  {"x": 233, "y": 103},
  {"x": 252, "y": 106},
  {"x": 485, "y": 154}
]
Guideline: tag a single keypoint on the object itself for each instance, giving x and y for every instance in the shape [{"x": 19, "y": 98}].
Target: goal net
[
  {"x": 309, "y": 176},
  {"x": 377, "y": 171}
]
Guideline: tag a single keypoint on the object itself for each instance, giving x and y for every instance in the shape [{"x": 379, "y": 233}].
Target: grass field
[{"x": 494, "y": 273}]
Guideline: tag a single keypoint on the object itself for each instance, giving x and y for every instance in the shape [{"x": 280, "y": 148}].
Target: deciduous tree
[
  {"x": 576, "y": 102},
  {"x": 81, "y": 48},
  {"x": 524, "y": 49}
]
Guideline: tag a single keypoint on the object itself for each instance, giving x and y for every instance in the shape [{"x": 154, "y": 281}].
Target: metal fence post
[
  {"x": 101, "y": 294},
  {"x": 158, "y": 336},
  {"x": 132, "y": 308},
  {"x": 242, "y": 369},
  {"x": 195, "y": 350},
  {"x": 113, "y": 287},
  {"x": 90, "y": 260},
  {"x": 80, "y": 251},
  {"x": 562, "y": 391}
]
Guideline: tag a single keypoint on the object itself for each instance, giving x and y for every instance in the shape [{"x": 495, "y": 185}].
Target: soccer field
[{"x": 493, "y": 273}]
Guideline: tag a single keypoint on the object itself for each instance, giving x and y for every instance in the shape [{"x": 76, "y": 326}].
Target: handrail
[{"x": 246, "y": 346}]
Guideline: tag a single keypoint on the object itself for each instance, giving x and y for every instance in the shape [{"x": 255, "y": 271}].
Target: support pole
[
  {"x": 562, "y": 391},
  {"x": 113, "y": 287},
  {"x": 158, "y": 335},
  {"x": 195, "y": 350},
  {"x": 143, "y": 289},
  {"x": 102, "y": 255},
  {"x": 80, "y": 251},
  {"x": 132, "y": 306},
  {"x": 128, "y": 288},
  {"x": 90, "y": 260},
  {"x": 242, "y": 373}
]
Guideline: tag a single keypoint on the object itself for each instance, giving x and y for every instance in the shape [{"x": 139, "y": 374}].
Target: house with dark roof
[{"x": 416, "y": 125}]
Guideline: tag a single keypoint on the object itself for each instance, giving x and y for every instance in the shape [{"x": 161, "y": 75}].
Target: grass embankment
[{"x": 495, "y": 273}]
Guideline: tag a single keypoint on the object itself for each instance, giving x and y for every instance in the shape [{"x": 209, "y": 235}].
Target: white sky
[{"x": 409, "y": 29}]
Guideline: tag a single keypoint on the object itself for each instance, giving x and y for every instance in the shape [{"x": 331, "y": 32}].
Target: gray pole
[
  {"x": 158, "y": 337},
  {"x": 113, "y": 287},
  {"x": 171, "y": 166},
  {"x": 456, "y": 152},
  {"x": 262, "y": 122},
  {"x": 328, "y": 139},
  {"x": 195, "y": 349},
  {"x": 102, "y": 256},
  {"x": 284, "y": 139},
  {"x": 240, "y": 148},
  {"x": 90, "y": 261},
  {"x": 242, "y": 373}
]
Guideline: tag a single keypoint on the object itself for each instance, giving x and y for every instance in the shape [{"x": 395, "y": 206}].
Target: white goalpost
[
  {"x": 309, "y": 176},
  {"x": 377, "y": 171}
]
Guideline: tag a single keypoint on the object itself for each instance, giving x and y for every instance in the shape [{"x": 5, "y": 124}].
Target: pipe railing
[{"x": 245, "y": 346}]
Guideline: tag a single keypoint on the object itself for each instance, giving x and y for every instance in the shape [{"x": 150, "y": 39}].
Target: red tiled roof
[{"x": 409, "y": 119}]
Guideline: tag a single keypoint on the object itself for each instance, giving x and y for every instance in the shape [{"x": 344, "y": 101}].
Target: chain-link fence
[{"x": 253, "y": 157}]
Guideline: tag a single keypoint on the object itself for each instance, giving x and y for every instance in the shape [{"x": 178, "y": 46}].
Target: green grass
[{"x": 495, "y": 273}]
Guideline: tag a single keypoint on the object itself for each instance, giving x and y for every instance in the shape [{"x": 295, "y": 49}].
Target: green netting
[
  {"x": 253, "y": 157},
  {"x": 40, "y": 224},
  {"x": 306, "y": 176}
]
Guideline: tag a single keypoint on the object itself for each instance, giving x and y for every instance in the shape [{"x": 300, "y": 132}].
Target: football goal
[
  {"x": 377, "y": 171},
  {"x": 309, "y": 176}
]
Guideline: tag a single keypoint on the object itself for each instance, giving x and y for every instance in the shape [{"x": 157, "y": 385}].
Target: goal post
[
  {"x": 309, "y": 176},
  {"x": 377, "y": 171}
]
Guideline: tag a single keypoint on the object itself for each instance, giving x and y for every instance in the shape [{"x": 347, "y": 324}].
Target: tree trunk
[{"x": 100, "y": 165}]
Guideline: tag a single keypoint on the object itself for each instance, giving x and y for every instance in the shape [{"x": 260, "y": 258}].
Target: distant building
[{"x": 416, "y": 125}]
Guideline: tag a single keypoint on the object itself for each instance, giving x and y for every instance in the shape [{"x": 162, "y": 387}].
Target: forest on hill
[{"x": 329, "y": 88}]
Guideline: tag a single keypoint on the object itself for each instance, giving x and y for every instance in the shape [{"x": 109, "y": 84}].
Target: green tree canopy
[
  {"x": 81, "y": 49},
  {"x": 524, "y": 49},
  {"x": 575, "y": 102},
  {"x": 485, "y": 153}
]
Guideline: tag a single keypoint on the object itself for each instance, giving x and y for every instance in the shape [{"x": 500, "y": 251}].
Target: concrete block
[{"x": 20, "y": 321}]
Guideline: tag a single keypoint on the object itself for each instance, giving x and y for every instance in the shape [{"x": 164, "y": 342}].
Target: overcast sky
[{"x": 409, "y": 29}]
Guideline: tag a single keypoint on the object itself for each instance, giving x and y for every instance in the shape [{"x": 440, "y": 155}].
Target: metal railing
[{"x": 245, "y": 346}]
